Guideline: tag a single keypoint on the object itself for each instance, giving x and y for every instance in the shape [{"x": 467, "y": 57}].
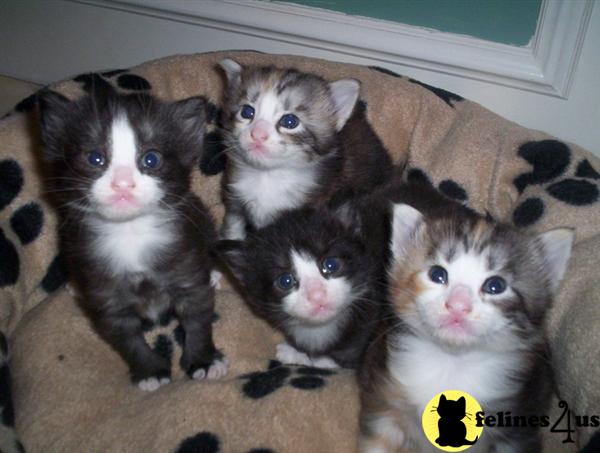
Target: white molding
[{"x": 546, "y": 65}]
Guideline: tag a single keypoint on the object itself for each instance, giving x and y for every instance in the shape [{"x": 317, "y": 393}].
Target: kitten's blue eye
[
  {"x": 247, "y": 112},
  {"x": 95, "y": 159},
  {"x": 438, "y": 274},
  {"x": 151, "y": 159},
  {"x": 289, "y": 121},
  {"x": 494, "y": 285},
  {"x": 330, "y": 266},
  {"x": 286, "y": 281}
]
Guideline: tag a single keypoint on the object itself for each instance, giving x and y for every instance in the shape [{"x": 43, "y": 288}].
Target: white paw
[
  {"x": 200, "y": 373},
  {"x": 217, "y": 370},
  {"x": 325, "y": 362},
  {"x": 71, "y": 289},
  {"x": 291, "y": 356},
  {"x": 153, "y": 383},
  {"x": 215, "y": 279}
]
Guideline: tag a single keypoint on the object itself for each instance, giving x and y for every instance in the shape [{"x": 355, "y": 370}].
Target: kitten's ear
[
  {"x": 54, "y": 109},
  {"x": 442, "y": 398},
  {"x": 190, "y": 115},
  {"x": 233, "y": 71},
  {"x": 349, "y": 214},
  {"x": 344, "y": 94},
  {"x": 233, "y": 255},
  {"x": 557, "y": 245},
  {"x": 407, "y": 228}
]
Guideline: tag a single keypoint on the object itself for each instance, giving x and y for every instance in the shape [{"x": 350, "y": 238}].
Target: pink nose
[
  {"x": 260, "y": 131},
  {"x": 460, "y": 300},
  {"x": 122, "y": 180},
  {"x": 316, "y": 293}
]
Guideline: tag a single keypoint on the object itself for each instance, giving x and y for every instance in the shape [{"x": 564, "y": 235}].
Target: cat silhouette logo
[{"x": 449, "y": 420}]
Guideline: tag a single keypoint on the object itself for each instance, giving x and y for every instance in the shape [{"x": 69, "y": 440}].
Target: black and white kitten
[
  {"x": 292, "y": 140},
  {"x": 135, "y": 238},
  {"x": 311, "y": 274},
  {"x": 468, "y": 298}
]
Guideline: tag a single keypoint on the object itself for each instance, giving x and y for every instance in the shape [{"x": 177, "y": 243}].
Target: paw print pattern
[
  {"x": 262, "y": 383},
  {"x": 448, "y": 97},
  {"x": 448, "y": 187},
  {"x": 550, "y": 160},
  {"x": 204, "y": 442}
]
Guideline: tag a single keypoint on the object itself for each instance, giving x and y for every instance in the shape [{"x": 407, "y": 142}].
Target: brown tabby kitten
[
  {"x": 292, "y": 140},
  {"x": 468, "y": 299}
]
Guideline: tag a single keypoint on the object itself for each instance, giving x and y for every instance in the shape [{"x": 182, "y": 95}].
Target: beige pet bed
[{"x": 72, "y": 393}]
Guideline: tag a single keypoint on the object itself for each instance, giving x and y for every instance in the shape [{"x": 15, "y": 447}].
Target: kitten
[
  {"x": 468, "y": 299},
  {"x": 292, "y": 141},
  {"x": 135, "y": 238},
  {"x": 311, "y": 274}
]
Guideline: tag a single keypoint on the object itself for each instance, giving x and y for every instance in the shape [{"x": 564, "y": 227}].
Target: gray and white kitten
[
  {"x": 468, "y": 298},
  {"x": 136, "y": 239},
  {"x": 291, "y": 141}
]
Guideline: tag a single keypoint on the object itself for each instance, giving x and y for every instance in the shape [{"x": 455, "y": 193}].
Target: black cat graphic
[{"x": 452, "y": 430}]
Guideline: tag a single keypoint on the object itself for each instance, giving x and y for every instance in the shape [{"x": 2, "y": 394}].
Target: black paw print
[
  {"x": 550, "y": 160},
  {"x": 262, "y": 383},
  {"x": 207, "y": 442},
  {"x": 448, "y": 187},
  {"x": 93, "y": 81}
]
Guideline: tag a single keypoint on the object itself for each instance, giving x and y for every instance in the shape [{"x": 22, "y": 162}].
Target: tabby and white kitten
[
  {"x": 135, "y": 238},
  {"x": 468, "y": 299},
  {"x": 291, "y": 141},
  {"x": 312, "y": 275}
]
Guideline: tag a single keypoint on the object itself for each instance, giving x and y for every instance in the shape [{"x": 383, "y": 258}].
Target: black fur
[{"x": 177, "y": 278}]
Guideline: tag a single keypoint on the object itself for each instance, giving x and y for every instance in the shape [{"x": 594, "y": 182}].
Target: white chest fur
[
  {"x": 315, "y": 338},
  {"x": 266, "y": 192},
  {"x": 132, "y": 245},
  {"x": 425, "y": 369}
]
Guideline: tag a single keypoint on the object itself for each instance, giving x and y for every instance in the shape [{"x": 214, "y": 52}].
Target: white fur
[
  {"x": 557, "y": 245},
  {"x": 152, "y": 384},
  {"x": 123, "y": 153},
  {"x": 216, "y": 370},
  {"x": 485, "y": 322},
  {"x": 338, "y": 290},
  {"x": 232, "y": 69},
  {"x": 215, "y": 279},
  {"x": 425, "y": 369},
  {"x": 234, "y": 226},
  {"x": 267, "y": 192},
  {"x": 344, "y": 94},
  {"x": 130, "y": 246},
  {"x": 406, "y": 221},
  {"x": 316, "y": 337},
  {"x": 387, "y": 428},
  {"x": 289, "y": 355}
]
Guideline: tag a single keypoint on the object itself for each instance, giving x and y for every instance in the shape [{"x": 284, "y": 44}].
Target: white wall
[{"x": 47, "y": 40}]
